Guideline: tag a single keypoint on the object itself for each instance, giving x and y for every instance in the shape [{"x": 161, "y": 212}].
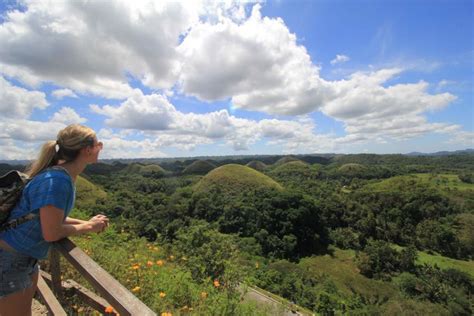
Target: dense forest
[{"x": 341, "y": 234}]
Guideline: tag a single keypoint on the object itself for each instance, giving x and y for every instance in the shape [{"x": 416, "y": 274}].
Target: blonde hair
[{"x": 70, "y": 141}]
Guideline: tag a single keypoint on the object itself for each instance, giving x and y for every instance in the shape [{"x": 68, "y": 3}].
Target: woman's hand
[
  {"x": 96, "y": 226},
  {"x": 99, "y": 222}
]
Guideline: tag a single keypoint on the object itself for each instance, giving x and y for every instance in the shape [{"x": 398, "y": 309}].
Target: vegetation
[{"x": 349, "y": 234}]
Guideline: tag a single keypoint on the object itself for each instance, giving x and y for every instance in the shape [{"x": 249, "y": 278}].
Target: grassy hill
[
  {"x": 443, "y": 262},
  {"x": 151, "y": 170},
  {"x": 233, "y": 178},
  {"x": 342, "y": 270},
  {"x": 292, "y": 168},
  {"x": 87, "y": 193},
  {"x": 447, "y": 184},
  {"x": 351, "y": 169},
  {"x": 285, "y": 160},
  {"x": 201, "y": 167},
  {"x": 257, "y": 165},
  {"x": 443, "y": 182}
]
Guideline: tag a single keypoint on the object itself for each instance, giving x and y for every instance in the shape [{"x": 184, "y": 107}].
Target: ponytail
[{"x": 47, "y": 158}]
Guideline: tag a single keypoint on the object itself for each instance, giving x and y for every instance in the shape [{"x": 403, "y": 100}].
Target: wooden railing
[{"x": 52, "y": 289}]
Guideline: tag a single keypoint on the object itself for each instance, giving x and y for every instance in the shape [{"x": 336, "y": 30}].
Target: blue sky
[{"x": 158, "y": 79}]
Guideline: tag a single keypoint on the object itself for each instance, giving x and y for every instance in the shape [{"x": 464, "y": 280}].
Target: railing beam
[
  {"x": 123, "y": 301},
  {"x": 52, "y": 304}
]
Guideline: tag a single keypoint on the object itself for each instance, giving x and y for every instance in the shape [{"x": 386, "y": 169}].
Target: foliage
[{"x": 273, "y": 229}]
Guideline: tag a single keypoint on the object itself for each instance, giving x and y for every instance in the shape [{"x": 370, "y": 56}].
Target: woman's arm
[
  {"x": 73, "y": 221},
  {"x": 54, "y": 228}
]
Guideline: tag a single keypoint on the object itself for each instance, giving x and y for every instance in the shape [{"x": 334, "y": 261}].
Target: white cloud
[
  {"x": 67, "y": 115},
  {"x": 61, "y": 93},
  {"x": 144, "y": 112},
  {"x": 465, "y": 138},
  {"x": 213, "y": 51},
  {"x": 29, "y": 131},
  {"x": 256, "y": 63},
  {"x": 16, "y": 102},
  {"x": 368, "y": 108},
  {"x": 117, "y": 147},
  {"x": 90, "y": 46},
  {"x": 9, "y": 150},
  {"x": 340, "y": 59},
  {"x": 167, "y": 126}
]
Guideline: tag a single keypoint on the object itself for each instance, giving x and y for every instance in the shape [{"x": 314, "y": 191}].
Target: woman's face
[{"x": 94, "y": 150}]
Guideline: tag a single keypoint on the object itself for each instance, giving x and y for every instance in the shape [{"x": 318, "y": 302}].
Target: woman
[{"x": 50, "y": 195}]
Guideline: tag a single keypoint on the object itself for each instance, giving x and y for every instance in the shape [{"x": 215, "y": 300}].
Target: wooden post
[
  {"x": 56, "y": 273},
  {"x": 52, "y": 304}
]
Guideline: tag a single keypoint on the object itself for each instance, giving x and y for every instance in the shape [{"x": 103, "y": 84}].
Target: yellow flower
[
  {"x": 203, "y": 295},
  {"x": 109, "y": 309},
  {"x": 162, "y": 294},
  {"x": 171, "y": 257},
  {"x": 166, "y": 314},
  {"x": 159, "y": 263},
  {"x": 136, "y": 266},
  {"x": 149, "y": 263},
  {"x": 216, "y": 283},
  {"x": 136, "y": 289}
]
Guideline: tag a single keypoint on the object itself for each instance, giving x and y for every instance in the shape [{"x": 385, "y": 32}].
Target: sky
[{"x": 206, "y": 78}]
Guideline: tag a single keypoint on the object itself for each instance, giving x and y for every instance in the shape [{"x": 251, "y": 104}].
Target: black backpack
[{"x": 11, "y": 188}]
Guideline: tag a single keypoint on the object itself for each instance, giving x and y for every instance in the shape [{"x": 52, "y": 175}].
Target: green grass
[
  {"x": 283, "y": 301},
  {"x": 384, "y": 297},
  {"x": 446, "y": 263},
  {"x": 443, "y": 262},
  {"x": 343, "y": 271},
  {"x": 448, "y": 185}
]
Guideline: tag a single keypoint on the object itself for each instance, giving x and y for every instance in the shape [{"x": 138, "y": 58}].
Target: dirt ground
[{"x": 38, "y": 309}]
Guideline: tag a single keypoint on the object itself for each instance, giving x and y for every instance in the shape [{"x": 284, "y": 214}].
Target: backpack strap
[{"x": 18, "y": 221}]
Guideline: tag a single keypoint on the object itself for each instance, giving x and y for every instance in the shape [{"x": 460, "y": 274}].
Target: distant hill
[
  {"x": 442, "y": 153},
  {"x": 286, "y": 159},
  {"x": 235, "y": 179},
  {"x": 104, "y": 168},
  {"x": 87, "y": 193},
  {"x": 351, "y": 169},
  {"x": 257, "y": 165},
  {"x": 292, "y": 168},
  {"x": 201, "y": 167},
  {"x": 151, "y": 170}
]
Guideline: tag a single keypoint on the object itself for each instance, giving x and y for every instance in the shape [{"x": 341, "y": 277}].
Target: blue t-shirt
[{"x": 51, "y": 187}]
